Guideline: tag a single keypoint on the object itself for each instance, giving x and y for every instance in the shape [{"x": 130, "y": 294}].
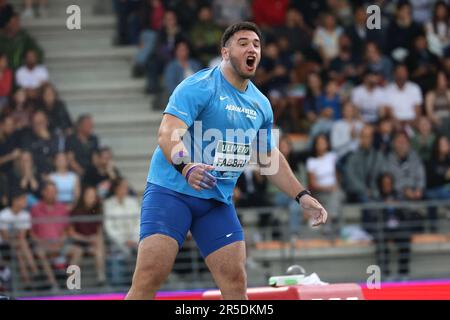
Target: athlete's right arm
[{"x": 170, "y": 134}]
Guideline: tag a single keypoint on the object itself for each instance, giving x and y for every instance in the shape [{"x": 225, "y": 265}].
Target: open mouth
[{"x": 251, "y": 61}]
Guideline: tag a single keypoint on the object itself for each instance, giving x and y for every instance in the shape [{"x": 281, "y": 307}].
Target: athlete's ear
[{"x": 225, "y": 53}]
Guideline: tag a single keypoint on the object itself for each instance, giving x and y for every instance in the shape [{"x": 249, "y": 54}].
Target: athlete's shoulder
[
  {"x": 201, "y": 80},
  {"x": 260, "y": 98}
]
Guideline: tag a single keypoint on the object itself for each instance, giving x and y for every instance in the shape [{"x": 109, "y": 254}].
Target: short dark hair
[{"x": 231, "y": 30}]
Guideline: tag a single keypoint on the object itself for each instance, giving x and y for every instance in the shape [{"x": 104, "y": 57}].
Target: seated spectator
[
  {"x": 438, "y": 29},
  {"x": 4, "y": 191},
  {"x": 378, "y": 63},
  {"x": 363, "y": 168},
  {"x": 368, "y": 97},
  {"x": 423, "y": 139},
  {"x": 401, "y": 32},
  {"x": 122, "y": 218},
  {"x": 15, "y": 225},
  {"x": 25, "y": 177},
  {"x": 102, "y": 172},
  {"x": 391, "y": 224},
  {"x": 9, "y": 145},
  {"x": 6, "y": 81},
  {"x": 127, "y": 14},
  {"x": 346, "y": 66},
  {"x": 384, "y": 135},
  {"x": 31, "y": 75},
  {"x": 407, "y": 168},
  {"x": 181, "y": 67},
  {"x": 22, "y": 109},
  {"x": 322, "y": 180},
  {"x": 403, "y": 98},
  {"x": 422, "y": 64},
  {"x": 6, "y": 13},
  {"x": 67, "y": 182},
  {"x": 313, "y": 92},
  {"x": 81, "y": 145},
  {"x": 58, "y": 117},
  {"x": 269, "y": 14},
  {"x": 438, "y": 176},
  {"x": 15, "y": 42},
  {"x": 326, "y": 38},
  {"x": 163, "y": 52},
  {"x": 330, "y": 100},
  {"x": 345, "y": 132},
  {"x": 228, "y": 12},
  {"x": 87, "y": 236},
  {"x": 42, "y": 144},
  {"x": 437, "y": 101},
  {"x": 49, "y": 230},
  {"x": 205, "y": 35}
]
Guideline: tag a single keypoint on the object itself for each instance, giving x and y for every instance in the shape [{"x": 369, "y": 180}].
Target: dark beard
[{"x": 236, "y": 69}]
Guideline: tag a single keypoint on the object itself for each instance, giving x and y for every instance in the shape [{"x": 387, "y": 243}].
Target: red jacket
[
  {"x": 269, "y": 12},
  {"x": 6, "y": 80}
]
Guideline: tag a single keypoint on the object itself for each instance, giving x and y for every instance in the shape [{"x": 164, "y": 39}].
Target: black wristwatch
[{"x": 301, "y": 194}]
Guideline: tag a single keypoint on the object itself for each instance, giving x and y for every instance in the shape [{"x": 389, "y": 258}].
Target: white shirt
[
  {"x": 403, "y": 101},
  {"x": 324, "y": 169},
  {"x": 328, "y": 41},
  {"x": 342, "y": 141},
  {"x": 122, "y": 220},
  {"x": 368, "y": 102},
  {"x": 14, "y": 221},
  {"x": 31, "y": 79}
]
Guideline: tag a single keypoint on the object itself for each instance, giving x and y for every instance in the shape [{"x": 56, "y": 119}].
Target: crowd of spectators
[
  {"x": 57, "y": 181},
  {"x": 374, "y": 104}
]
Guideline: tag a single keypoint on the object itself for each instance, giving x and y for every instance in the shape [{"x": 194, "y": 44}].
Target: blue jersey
[{"x": 225, "y": 127}]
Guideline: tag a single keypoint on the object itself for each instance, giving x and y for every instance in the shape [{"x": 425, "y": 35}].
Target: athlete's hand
[
  {"x": 198, "y": 177},
  {"x": 314, "y": 210}
]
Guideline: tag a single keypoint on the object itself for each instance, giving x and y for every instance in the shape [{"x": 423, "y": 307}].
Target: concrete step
[
  {"x": 58, "y": 24},
  {"x": 90, "y": 54},
  {"x": 75, "y": 40},
  {"x": 101, "y": 88},
  {"x": 133, "y": 105}
]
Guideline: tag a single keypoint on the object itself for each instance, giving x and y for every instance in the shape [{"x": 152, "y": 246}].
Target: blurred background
[{"x": 364, "y": 115}]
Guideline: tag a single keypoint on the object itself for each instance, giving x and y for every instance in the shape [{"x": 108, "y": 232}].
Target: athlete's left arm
[{"x": 286, "y": 181}]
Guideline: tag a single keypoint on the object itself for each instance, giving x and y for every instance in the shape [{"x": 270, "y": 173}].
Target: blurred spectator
[
  {"x": 6, "y": 81},
  {"x": 368, "y": 97},
  {"x": 15, "y": 225},
  {"x": 391, "y": 224},
  {"x": 422, "y": 63},
  {"x": 403, "y": 97},
  {"x": 205, "y": 35},
  {"x": 21, "y": 111},
  {"x": 122, "y": 217},
  {"x": 401, "y": 32},
  {"x": 377, "y": 62},
  {"x": 24, "y": 177},
  {"x": 67, "y": 182},
  {"x": 422, "y": 10},
  {"x": 167, "y": 38},
  {"x": 423, "y": 140},
  {"x": 437, "y": 101},
  {"x": 86, "y": 231},
  {"x": 31, "y": 75},
  {"x": 102, "y": 172},
  {"x": 363, "y": 168},
  {"x": 438, "y": 176},
  {"x": 330, "y": 100},
  {"x": 326, "y": 38},
  {"x": 359, "y": 33},
  {"x": 9, "y": 145},
  {"x": 269, "y": 13},
  {"x": 58, "y": 117},
  {"x": 42, "y": 9},
  {"x": 81, "y": 145},
  {"x": 181, "y": 67},
  {"x": 128, "y": 21},
  {"x": 42, "y": 144},
  {"x": 15, "y": 42},
  {"x": 186, "y": 11},
  {"x": 407, "y": 168},
  {"x": 345, "y": 66},
  {"x": 6, "y": 13},
  {"x": 345, "y": 132},
  {"x": 438, "y": 29},
  {"x": 313, "y": 92},
  {"x": 227, "y": 12},
  {"x": 321, "y": 168},
  {"x": 4, "y": 191},
  {"x": 297, "y": 32},
  {"x": 50, "y": 222}
]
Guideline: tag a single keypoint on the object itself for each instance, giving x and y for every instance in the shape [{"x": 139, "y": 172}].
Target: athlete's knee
[{"x": 235, "y": 276}]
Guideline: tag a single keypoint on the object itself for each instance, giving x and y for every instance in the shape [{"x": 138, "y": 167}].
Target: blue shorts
[{"x": 213, "y": 224}]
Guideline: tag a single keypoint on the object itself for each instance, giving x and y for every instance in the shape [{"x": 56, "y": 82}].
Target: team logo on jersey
[{"x": 249, "y": 113}]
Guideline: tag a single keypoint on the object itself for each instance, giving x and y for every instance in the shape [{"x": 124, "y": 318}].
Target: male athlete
[{"x": 185, "y": 195}]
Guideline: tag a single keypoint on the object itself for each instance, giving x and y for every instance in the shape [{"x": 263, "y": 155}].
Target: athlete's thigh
[{"x": 216, "y": 228}]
